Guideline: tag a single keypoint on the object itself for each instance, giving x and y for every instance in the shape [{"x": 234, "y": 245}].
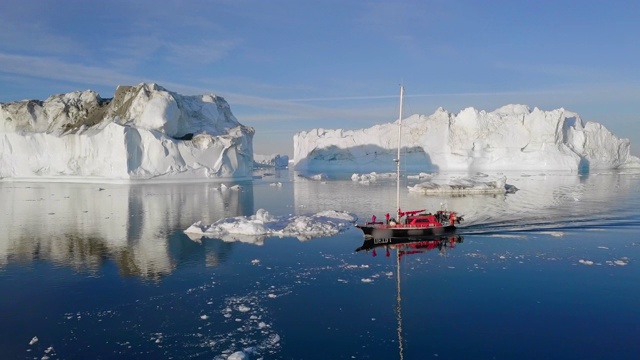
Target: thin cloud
[
  {"x": 55, "y": 69},
  {"x": 33, "y": 37},
  {"x": 206, "y": 52}
]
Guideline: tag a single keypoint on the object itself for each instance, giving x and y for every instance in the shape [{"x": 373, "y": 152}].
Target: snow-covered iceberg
[
  {"x": 143, "y": 132},
  {"x": 510, "y": 138},
  {"x": 255, "y": 228}
]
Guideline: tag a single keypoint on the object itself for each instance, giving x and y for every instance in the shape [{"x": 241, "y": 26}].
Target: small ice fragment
[
  {"x": 204, "y": 317},
  {"x": 243, "y": 308},
  {"x": 238, "y": 355},
  {"x": 34, "y": 340},
  {"x": 367, "y": 280},
  {"x": 585, "y": 262},
  {"x": 255, "y": 262}
]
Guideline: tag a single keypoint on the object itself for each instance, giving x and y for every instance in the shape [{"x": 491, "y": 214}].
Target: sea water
[{"x": 102, "y": 271}]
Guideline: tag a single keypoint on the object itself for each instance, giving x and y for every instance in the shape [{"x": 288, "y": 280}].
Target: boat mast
[{"x": 398, "y": 157}]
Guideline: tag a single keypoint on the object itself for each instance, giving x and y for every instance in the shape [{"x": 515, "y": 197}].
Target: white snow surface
[
  {"x": 144, "y": 132},
  {"x": 509, "y": 138},
  {"x": 255, "y": 228}
]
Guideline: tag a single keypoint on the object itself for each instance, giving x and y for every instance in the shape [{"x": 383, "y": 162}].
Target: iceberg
[
  {"x": 277, "y": 161},
  {"x": 144, "y": 132},
  {"x": 509, "y": 138}
]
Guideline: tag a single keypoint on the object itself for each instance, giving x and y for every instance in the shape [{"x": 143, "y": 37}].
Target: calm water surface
[{"x": 97, "y": 271}]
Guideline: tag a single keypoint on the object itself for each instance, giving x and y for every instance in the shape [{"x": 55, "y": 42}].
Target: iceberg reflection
[{"x": 85, "y": 225}]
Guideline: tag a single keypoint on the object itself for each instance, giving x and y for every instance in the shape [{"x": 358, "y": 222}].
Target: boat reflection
[
  {"x": 412, "y": 245},
  {"x": 405, "y": 247}
]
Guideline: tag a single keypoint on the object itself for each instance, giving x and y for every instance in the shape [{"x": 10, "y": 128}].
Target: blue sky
[{"x": 286, "y": 66}]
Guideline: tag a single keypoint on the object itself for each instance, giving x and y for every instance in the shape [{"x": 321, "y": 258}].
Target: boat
[{"x": 414, "y": 223}]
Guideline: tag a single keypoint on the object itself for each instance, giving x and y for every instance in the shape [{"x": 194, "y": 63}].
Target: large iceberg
[
  {"x": 277, "y": 161},
  {"x": 510, "y": 138},
  {"x": 143, "y": 132}
]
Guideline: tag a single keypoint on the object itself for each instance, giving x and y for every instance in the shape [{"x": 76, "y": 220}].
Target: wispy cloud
[
  {"x": 56, "y": 69},
  {"x": 558, "y": 71},
  {"x": 205, "y": 52},
  {"x": 33, "y": 37}
]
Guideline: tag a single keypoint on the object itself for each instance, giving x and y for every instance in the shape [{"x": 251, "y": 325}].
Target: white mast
[{"x": 398, "y": 158}]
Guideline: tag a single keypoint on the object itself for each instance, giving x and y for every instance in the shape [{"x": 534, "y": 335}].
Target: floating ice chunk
[
  {"x": 553, "y": 233},
  {"x": 243, "y": 308},
  {"x": 471, "y": 185},
  {"x": 255, "y": 228},
  {"x": 371, "y": 177},
  {"x": 367, "y": 280},
  {"x": 34, "y": 340},
  {"x": 420, "y": 176},
  {"x": 255, "y": 262},
  {"x": 204, "y": 317},
  {"x": 274, "y": 339},
  {"x": 585, "y": 262},
  {"x": 621, "y": 262},
  {"x": 238, "y": 355}
]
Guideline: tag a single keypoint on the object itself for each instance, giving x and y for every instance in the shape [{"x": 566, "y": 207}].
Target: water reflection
[
  {"x": 550, "y": 200},
  {"x": 85, "y": 225},
  {"x": 405, "y": 247}
]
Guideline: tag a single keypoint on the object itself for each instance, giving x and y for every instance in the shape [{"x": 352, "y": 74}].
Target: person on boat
[
  {"x": 452, "y": 218},
  {"x": 387, "y": 217}
]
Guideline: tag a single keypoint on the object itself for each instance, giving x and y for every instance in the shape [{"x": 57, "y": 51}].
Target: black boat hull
[{"x": 384, "y": 232}]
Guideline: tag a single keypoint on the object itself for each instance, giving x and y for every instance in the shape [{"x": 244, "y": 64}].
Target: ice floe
[
  {"x": 464, "y": 185},
  {"x": 255, "y": 228}
]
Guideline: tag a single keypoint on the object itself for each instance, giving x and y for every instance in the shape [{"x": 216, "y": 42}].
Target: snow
[
  {"x": 255, "y": 228},
  {"x": 509, "y": 138},
  {"x": 144, "y": 132}
]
